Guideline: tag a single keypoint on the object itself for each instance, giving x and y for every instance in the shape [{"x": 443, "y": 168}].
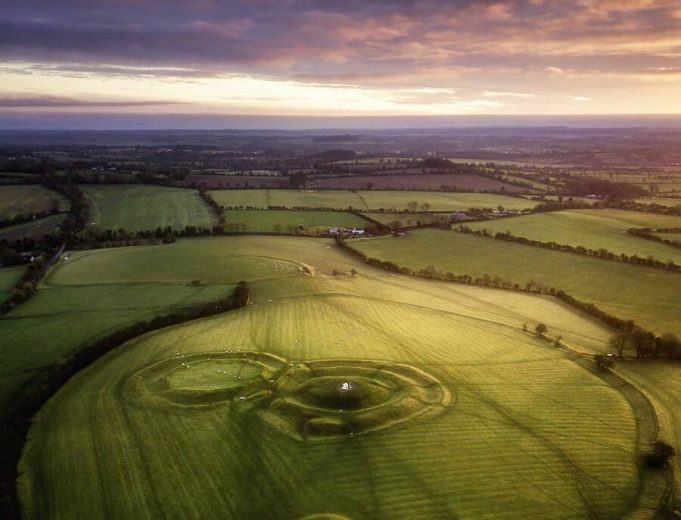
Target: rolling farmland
[
  {"x": 427, "y": 364},
  {"x": 143, "y": 207},
  {"x": 593, "y": 229},
  {"x": 28, "y": 198},
  {"x": 9, "y": 276},
  {"x": 290, "y": 221},
  {"x": 605, "y": 283},
  {"x": 365, "y": 200},
  {"x": 34, "y": 229}
]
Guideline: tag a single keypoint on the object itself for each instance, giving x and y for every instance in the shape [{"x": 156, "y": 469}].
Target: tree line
[
  {"x": 643, "y": 343},
  {"x": 14, "y": 425},
  {"x": 603, "y": 253}
]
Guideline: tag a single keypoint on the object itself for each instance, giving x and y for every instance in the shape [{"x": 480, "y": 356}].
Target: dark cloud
[{"x": 342, "y": 41}]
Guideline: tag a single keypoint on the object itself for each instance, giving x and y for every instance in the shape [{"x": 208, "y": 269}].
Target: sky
[{"x": 131, "y": 59}]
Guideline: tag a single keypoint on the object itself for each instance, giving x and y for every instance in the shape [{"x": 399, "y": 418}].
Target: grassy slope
[
  {"x": 27, "y": 199},
  {"x": 517, "y": 441},
  {"x": 141, "y": 207},
  {"x": 9, "y": 276},
  {"x": 652, "y": 302},
  {"x": 259, "y": 220},
  {"x": 97, "y": 292},
  {"x": 593, "y": 229},
  {"x": 662, "y": 382},
  {"x": 364, "y": 200},
  {"x": 407, "y": 219},
  {"x": 661, "y": 201},
  {"x": 32, "y": 229}
]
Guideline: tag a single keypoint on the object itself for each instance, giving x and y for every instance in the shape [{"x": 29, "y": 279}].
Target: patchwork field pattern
[
  {"x": 365, "y": 200},
  {"x": 653, "y": 302},
  {"x": 263, "y": 412},
  {"x": 290, "y": 221},
  {"x": 592, "y": 229}
]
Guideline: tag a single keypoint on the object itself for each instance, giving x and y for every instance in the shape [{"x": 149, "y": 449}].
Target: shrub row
[
  {"x": 645, "y": 343},
  {"x": 36, "y": 392},
  {"x": 580, "y": 250},
  {"x": 648, "y": 234}
]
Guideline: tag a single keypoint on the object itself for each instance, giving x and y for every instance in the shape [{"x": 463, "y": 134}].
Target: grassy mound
[
  {"x": 321, "y": 399},
  {"x": 531, "y": 431}
]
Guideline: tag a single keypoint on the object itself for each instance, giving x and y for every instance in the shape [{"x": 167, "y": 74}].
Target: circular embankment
[{"x": 311, "y": 400}]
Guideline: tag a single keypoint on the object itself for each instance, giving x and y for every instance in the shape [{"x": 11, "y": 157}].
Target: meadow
[
  {"x": 402, "y": 181},
  {"x": 406, "y": 219},
  {"x": 97, "y": 292},
  {"x": 662, "y": 383},
  {"x": 288, "y": 221},
  {"x": 652, "y": 302},
  {"x": 592, "y": 229},
  {"x": 365, "y": 200},
  {"x": 138, "y": 207},
  {"x": 662, "y": 201},
  {"x": 35, "y": 229},
  {"x": 9, "y": 276},
  {"x": 28, "y": 198},
  {"x": 237, "y": 415}
]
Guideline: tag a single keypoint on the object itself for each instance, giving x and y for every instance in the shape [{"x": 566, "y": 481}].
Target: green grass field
[
  {"x": 35, "y": 229},
  {"x": 406, "y": 219},
  {"x": 289, "y": 221},
  {"x": 652, "y": 301},
  {"x": 142, "y": 207},
  {"x": 454, "y": 411},
  {"x": 661, "y": 381},
  {"x": 593, "y": 229},
  {"x": 28, "y": 198},
  {"x": 96, "y": 292},
  {"x": 9, "y": 276},
  {"x": 365, "y": 200},
  {"x": 662, "y": 201}
]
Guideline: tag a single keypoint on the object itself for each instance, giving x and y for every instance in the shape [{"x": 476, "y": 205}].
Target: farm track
[
  {"x": 653, "y": 485},
  {"x": 651, "y": 492}
]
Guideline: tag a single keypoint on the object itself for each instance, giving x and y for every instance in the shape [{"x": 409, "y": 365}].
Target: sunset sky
[{"x": 340, "y": 58}]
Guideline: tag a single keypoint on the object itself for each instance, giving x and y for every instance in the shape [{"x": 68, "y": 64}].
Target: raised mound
[
  {"x": 316, "y": 400},
  {"x": 304, "y": 400}
]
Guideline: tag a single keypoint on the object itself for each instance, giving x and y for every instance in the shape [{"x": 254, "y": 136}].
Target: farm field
[
  {"x": 672, "y": 202},
  {"x": 33, "y": 228},
  {"x": 428, "y": 365},
  {"x": 216, "y": 181},
  {"x": 364, "y": 200},
  {"x": 9, "y": 276},
  {"x": 406, "y": 219},
  {"x": 140, "y": 207},
  {"x": 593, "y": 229},
  {"x": 653, "y": 302},
  {"x": 662, "y": 383},
  {"x": 25, "y": 199},
  {"x": 97, "y": 292},
  {"x": 418, "y": 181},
  {"x": 290, "y": 220}
]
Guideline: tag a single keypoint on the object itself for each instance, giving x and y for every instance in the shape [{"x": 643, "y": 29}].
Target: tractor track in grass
[{"x": 653, "y": 483}]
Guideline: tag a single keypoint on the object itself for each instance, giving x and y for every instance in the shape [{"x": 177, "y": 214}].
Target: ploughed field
[
  {"x": 134, "y": 207},
  {"x": 367, "y": 396},
  {"x": 592, "y": 229},
  {"x": 365, "y": 200},
  {"x": 28, "y": 198},
  {"x": 646, "y": 295}
]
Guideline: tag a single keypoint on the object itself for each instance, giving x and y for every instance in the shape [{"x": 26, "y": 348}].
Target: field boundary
[{"x": 35, "y": 393}]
